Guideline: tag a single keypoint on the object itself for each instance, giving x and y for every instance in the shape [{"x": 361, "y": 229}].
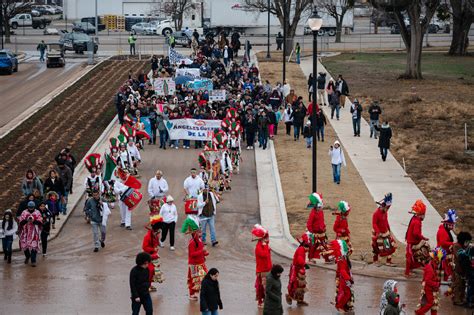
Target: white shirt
[
  {"x": 7, "y": 232},
  {"x": 157, "y": 187},
  {"x": 193, "y": 185},
  {"x": 337, "y": 156},
  {"x": 169, "y": 213},
  {"x": 133, "y": 150}
]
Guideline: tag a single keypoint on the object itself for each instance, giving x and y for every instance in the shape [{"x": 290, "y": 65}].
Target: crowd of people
[{"x": 250, "y": 114}]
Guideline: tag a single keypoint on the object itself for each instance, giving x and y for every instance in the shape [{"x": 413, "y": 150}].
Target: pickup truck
[{"x": 25, "y": 19}]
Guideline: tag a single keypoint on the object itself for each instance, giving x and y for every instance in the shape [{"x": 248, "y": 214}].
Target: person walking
[
  {"x": 320, "y": 123},
  {"x": 193, "y": 184},
  {"x": 308, "y": 134},
  {"x": 310, "y": 86},
  {"x": 374, "y": 112},
  {"x": 42, "y": 49},
  {"x": 140, "y": 285},
  {"x": 94, "y": 209},
  {"x": 286, "y": 118},
  {"x": 298, "y": 119},
  {"x": 170, "y": 217},
  {"x": 384, "y": 140},
  {"x": 272, "y": 304},
  {"x": 210, "y": 296},
  {"x": 250, "y": 129},
  {"x": 337, "y": 159},
  {"x": 321, "y": 81},
  {"x": 207, "y": 201},
  {"x": 48, "y": 218},
  {"x": 161, "y": 125},
  {"x": 298, "y": 53},
  {"x": 356, "y": 111},
  {"x": 343, "y": 88},
  {"x": 30, "y": 230},
  {"x": 30, "y": 183},
  {"x": 279, "y": 40},
  {"x": 65, "y": 174},
  {"x": 334, "y": 103},
  {"x": 157, "y": 186},
  {"x": 263, "y": 123},
  {"x": 8, "y": 229},
  {"x": 132, "y": 39}
]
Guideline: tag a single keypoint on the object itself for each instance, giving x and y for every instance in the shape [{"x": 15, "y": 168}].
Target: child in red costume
[
  {"x": 297, "y": 283},
  {"x": 150, "y": 245},
  {"x": 263, "y": 259},
  {"x": 418, "y": 248},
  {"x": 341, "y": 225},
  {"x": 445, "y": 240},
  {"x": 383, "y": 243},
  {"x": 430, "y": 293},
  {"x": 344, "y": 299},
  {"x": 317, "y": 227},
  {"x": 197, "y": 269}
]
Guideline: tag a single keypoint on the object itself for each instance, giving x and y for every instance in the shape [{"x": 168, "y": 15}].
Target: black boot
[{"x": 9, "y": 258}]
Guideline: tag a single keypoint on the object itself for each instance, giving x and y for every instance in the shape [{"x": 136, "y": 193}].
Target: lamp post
[
  {"x": 314, "y": 22},
  {"x": 268, "y": 30},
  {"x": 284, "y": 41}
]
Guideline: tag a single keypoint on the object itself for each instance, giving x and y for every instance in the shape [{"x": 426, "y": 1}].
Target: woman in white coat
[{"x": 337, "y": 159}]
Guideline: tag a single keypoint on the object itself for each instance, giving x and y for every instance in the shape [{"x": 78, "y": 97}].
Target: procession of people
[{"x": 246, "y": 110}]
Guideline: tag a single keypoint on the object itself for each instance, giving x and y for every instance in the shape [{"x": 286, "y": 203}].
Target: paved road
[
  {"x": 31, "y": 83},
  {"x": 74, "y": 280}
]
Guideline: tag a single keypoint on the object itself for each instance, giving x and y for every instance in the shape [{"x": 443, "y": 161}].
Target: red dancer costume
[
  {"x": 417, "y": 252},
  {"x": 150, "y": 245},
  {"x": 429, "y": 299},
  {"x": 344, "y": 299},
  {"x": 445, "y": 240},
  {"x": 263, "y": 259},
  {"x": 383, "y": 243},
  {"x": 297, "y": 283},
  {"x": 317, "y": 227},
  {"x": 197, "y": 269},
  {"x": 341, "y": 225}
]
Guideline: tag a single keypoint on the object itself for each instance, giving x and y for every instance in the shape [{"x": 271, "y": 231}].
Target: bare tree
[
  {"x": 176, "y": 9},
  {"x": 337, "y": 9},
  {"x": 412, "y": 32},
  {"x": 462, "y": 13},
  {"x": 10, "y": 8},
  {"x": 294, "y": 10}
]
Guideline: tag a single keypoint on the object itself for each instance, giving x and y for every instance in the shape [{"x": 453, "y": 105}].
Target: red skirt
[{"x": 196, "y": 274}]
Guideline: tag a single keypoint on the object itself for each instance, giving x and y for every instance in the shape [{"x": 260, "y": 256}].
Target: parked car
[
  {"x": 91, "y": 20},
  {"x": 165, "y": 27},
  {"x": 381, "y": 18},
  {"x": 8, "y": 61},
  {"x": 182, "y": 38},
  {"x": 143, "y": 29},
  {"x": 83, "y": 27},
  {"x": 395, "y": 29},
  {"x": 76, "y": 42},
  {"x": 41, "y": 9},
  {"x": 26, "y": 20},
  {"x": 35, "y": 13},
  {"x": 51, "y": 31}
]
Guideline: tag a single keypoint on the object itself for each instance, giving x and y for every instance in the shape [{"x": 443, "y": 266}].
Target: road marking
[{"x": 40, "y": 69}]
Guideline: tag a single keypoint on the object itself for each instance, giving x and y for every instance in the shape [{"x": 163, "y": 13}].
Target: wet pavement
[{"x": 74, "y": 280}]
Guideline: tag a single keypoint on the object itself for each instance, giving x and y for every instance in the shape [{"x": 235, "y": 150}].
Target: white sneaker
[
  {"x": 176, "y": 148},
  {"x": 248, "y": 148},
  {"x": 172, "y": 146},
  {"x": 162, "y": 245},
  {"x": 172, "y": 248}
]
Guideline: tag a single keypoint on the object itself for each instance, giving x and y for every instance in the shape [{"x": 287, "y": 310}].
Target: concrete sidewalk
[{"x": 379, "y": 177}]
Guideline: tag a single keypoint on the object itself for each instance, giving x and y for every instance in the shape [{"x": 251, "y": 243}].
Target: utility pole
[
  {"x": 284, "y": 40},
  {"x": 268, "y": 31},
  {"x": 96, "y": 20}
]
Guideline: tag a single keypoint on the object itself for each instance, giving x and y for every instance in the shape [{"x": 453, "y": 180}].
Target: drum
[
  {"x": 421, "y": 252},
  {"x": 386, "y": 244},
  {"x": 190, "y": 206},
  {"x": 131, "y": 198}
]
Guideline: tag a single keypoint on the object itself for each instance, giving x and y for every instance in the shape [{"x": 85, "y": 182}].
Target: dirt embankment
[
  {"x": 294, "y": 164},
  {"x": 76, "y": 117}
]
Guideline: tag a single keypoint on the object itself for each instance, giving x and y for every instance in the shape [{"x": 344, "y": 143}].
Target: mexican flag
[{"x": 110, "y": 167}]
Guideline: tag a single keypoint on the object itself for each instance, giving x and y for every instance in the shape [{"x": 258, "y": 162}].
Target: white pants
[
  {"x": 125, "y": 214},
  {"x": 322, "y": 97}
]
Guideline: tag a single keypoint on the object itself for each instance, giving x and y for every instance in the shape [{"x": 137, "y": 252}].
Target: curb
[{"x": 9, "y": 127}]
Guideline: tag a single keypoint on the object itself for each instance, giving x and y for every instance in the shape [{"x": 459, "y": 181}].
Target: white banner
[
  {"x": 217, "y": 95},
  {"x": 189, "y": 72},
  {"x": 164, "y": 86},
  {"x": 192, "y": 129}
]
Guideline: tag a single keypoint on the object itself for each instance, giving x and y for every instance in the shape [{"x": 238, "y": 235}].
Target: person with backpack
[{"x": 208, "y": 204}]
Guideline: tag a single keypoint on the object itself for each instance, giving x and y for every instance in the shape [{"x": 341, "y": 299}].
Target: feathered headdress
[
  {"x": 307, "y": 239},
  {"x": 418, "y": 208},
  {"x": 93, "y": 162},
  {"x": 128, "y": 130},
  {"x": 315, "y": 200},
  {"x": 259, "y": 232},
  {"x": 438, "y": 253},
  {"x": 232, "y": 113},
  {"x": 219, "y": 139},
  {"x": 113, "y": 144},
  {"x": 450, "y": 216},
  {"x": 189, "y": 226},
  {"x": 339, "y": 248},
  {"x": 343, "y": 207},
  {"x": 386, "y": 201}
]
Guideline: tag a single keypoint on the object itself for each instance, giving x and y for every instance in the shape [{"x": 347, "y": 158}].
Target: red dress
[
  {"x": 417, "y": 252},
  {"x": 344, "y": 295},
  {"x": 341, "y": 228},
  {"x": 263, "y": 260},
  {"x": 444, "y": 239},
  {"x": 317, "y": 226},
  {"x": 197, "y": 269},
  {"x": 430, "y": 293},
  {"x": 297, "y": 282},
  {"x": 383, "y": 243},
  {"x": 150, "y": 244}
]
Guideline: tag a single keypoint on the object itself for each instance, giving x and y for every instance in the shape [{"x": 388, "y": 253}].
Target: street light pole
[
  {"x": 284, "y": 41},
  {"x": 1, "y": 20},
  {"x": 315, "y": 22},
  {"x": 96, "y": 20},
  {"x": 268, "y": 31}
]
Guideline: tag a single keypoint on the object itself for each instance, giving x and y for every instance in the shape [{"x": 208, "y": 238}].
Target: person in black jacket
[
  {"x": 210, "y": 297},
  {"x": 298, "y": 118},
  {"x": 321, "y": 80},
  {"x": 343, "y": 88},
  {"x": 140, "y": 285},
  {"x": 48, "y": 217},
  {"x": 272, "y": 304},
  {"x": 320, "y": 123},
  {"x": 374, "y": 112},
  {"x": 250, "y": 129},
  {"x": 310, "y": 86},
  {"x": 384, "y": 140}
]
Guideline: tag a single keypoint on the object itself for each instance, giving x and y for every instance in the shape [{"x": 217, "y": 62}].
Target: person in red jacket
[
  {"x": 341, "y": 225},
  {"x": 263, "y": 258},
  {"x": 317, "y": 227},
  {"x": 445, "y": 240},
  {"x": 297, "y": 283},
  {"x": 418, "y": 248},
  {"x": 383, "y": 243},
  {"x": 150, "y": 245},
  {"x": 197, "y": 253},
  {"x": 344, "y": 300},
  {"x": 429, "y": 299}
]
